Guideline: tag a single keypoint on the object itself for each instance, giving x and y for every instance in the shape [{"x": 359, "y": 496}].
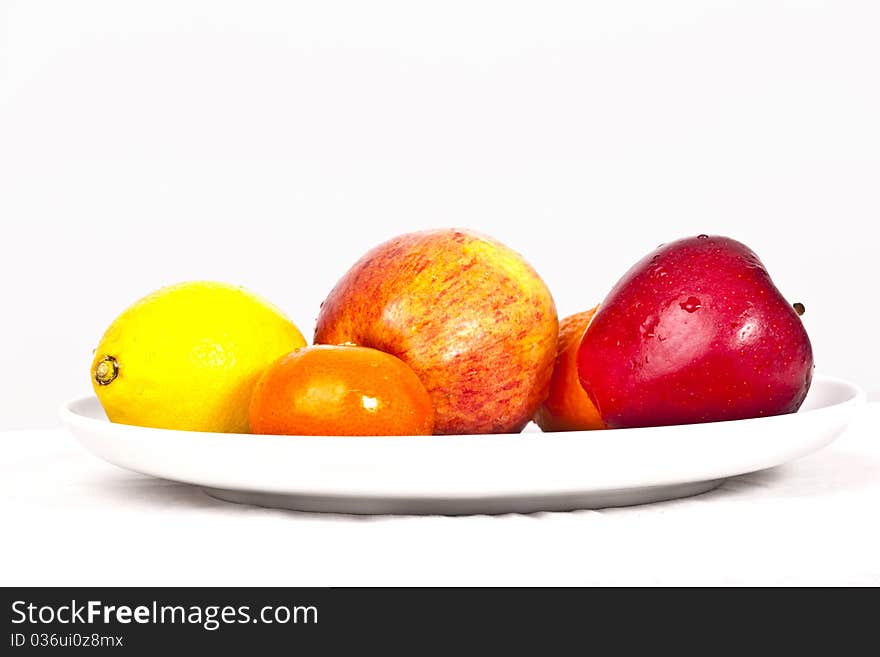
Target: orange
[
  {"x": 340, "y": 391},
  {"x": 568, "y": 408}
]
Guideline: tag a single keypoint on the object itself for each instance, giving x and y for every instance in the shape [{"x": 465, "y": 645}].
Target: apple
[
  {"x": 568, "y": 407},
  {"x": 469, "y": 315},
  {"x": 696, "y": 331}
]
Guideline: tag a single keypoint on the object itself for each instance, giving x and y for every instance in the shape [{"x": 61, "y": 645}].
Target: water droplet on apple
[
  {"x": 649, "y": 326},
  {"x": 691, "y": 305}
]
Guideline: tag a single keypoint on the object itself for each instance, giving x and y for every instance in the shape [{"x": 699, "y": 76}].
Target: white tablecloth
[{"x": 71, "y": 519}]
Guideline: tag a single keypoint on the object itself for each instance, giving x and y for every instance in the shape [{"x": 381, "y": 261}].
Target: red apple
[
  {"x": 695, "y": 332},
  {"x": 468, "y": 314}
]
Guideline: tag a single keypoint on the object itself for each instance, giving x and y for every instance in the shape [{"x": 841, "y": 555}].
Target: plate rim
[
  {"x": 490, "y": 473},
  {"x": 856, "y": 397}
]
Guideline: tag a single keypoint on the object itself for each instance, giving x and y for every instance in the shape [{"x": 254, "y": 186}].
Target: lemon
[{"x": 188, "y": 357}]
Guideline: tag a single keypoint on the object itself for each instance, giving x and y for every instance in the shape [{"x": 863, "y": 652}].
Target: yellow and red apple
[{"x": 469, "y": 315}]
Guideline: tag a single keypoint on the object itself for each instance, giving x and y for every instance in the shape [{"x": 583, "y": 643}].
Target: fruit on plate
[
  {"x": 696, "y": 331},
  {"x": 188, "y": 356},
  {"x": 340, "y": 391},
  {"x": 469, "y": 315},
  {"x": 568, "y": 407}
]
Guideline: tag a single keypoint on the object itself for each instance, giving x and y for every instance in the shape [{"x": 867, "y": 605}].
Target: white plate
[{"x": 469, "y": 474}]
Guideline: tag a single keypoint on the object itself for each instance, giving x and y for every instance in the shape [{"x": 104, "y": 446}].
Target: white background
[{"x": 270, "y": 143}]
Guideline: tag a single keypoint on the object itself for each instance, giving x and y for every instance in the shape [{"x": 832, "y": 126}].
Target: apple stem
[{"x": 799, "y": 308}]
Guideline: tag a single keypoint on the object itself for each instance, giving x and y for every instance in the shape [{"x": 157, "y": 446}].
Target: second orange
[{"x": 568, "y": 408}]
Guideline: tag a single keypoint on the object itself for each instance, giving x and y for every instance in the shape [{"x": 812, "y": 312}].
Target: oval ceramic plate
[{"x": 525, "y": 472}]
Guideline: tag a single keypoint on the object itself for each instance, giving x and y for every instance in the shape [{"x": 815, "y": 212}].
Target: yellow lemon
[{"x": 188, "y": 357}]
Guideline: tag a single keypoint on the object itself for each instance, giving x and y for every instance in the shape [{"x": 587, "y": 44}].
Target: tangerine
[{"x": 342, "y": 390}]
